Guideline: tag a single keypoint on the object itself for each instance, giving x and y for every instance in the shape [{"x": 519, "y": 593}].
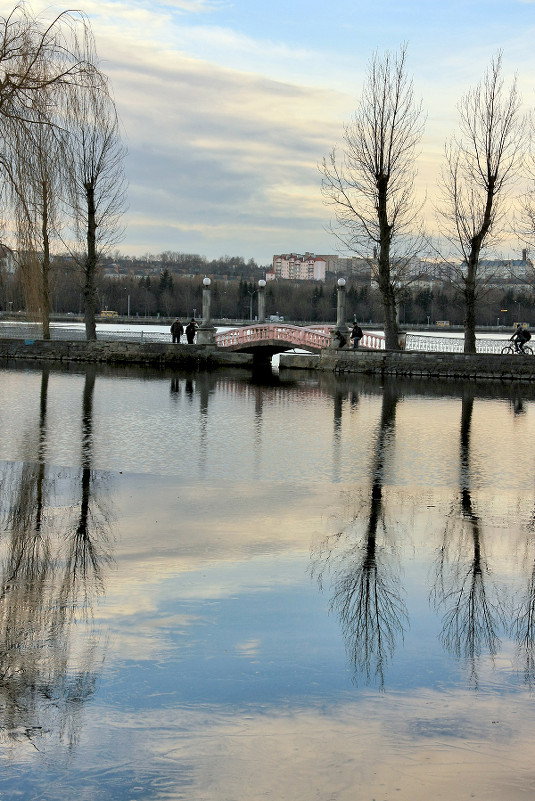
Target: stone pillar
[
  {"x": 261, "y": 301},
  {"x": 206, "y": 331},
  {"x": 341, "y": 326}
]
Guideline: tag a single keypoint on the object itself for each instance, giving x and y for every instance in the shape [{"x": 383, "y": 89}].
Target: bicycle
[{"x": 525, "y": 350}]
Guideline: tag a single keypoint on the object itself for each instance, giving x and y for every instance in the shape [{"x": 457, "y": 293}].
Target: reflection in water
[
  {"x": 50, "y": 571},
  {"x": 208, "y": 685},
  {"x": 362, "y": 564},
  {"x": 473, "y": 611},
  {"x": 88, "y": 545}
]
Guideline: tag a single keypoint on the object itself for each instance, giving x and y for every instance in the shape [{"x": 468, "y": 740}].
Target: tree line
[{"x": 169, "y": 294}]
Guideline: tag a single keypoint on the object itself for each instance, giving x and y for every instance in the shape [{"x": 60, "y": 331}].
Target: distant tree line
[{"x": 169, "y": 294}]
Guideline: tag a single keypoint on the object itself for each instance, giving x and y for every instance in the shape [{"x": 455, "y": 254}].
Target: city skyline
[{"x": 228, "y": 107}]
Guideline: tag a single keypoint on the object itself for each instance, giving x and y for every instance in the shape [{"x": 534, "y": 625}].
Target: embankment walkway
[{"x": 404, "y": 364}]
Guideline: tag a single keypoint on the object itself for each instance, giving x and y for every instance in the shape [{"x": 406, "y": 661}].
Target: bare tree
[
  {"x": 96, "y": 185},
  {"x": 371, "y": 187},
  {"x": 481, "y": 165}
]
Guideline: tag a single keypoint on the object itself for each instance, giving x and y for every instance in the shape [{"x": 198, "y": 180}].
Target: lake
[{"x": 235, "y": 587}]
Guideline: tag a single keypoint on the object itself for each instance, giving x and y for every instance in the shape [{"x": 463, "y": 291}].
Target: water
[{"x": 220, "y": 587}]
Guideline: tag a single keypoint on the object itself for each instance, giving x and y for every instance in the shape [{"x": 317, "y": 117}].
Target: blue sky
[{"x": 228, "y": 106}]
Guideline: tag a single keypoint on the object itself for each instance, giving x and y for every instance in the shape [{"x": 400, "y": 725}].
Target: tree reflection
[
  {"x": 51, "y": 569},
  {"x": 361, "y": 561},
  {"x": 473, "y": 612}
]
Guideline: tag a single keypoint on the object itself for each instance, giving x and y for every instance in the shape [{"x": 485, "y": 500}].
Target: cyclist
[{"x": 520, "y": 337}]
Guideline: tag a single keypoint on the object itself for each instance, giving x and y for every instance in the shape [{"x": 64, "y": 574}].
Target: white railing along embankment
[{"x": 438, "y": 344}]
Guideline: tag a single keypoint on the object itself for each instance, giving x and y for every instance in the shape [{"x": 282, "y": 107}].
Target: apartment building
[{"x": 307, "y": 267}]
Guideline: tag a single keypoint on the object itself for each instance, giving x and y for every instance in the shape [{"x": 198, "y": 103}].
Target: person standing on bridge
[
  {"x": 191, "y": 330},
  {"x": 177, "y": 329},
  {"x": 356, "y": 335}
]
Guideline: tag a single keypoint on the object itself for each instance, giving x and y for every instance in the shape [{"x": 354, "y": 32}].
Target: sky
[{"x": 228, "y": 106}]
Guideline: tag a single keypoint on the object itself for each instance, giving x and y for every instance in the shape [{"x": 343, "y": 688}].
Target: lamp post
[
  {"x": 261, "y": 301},
  {"x": 206, "y": 331},
  {"x": 337, "y": 335},
  {"x": 251, "y": 293},
  {"x": 206, "y": 301}
]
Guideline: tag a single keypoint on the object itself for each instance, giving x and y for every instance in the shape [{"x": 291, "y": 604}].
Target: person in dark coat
[
  {"x": 177, "y": 329},
  {"x": 356, "y": 335},
  {"x": 341, "y": 340},
  {"x": 191, "y": 330},
  {"x": 520, "y": 337}
]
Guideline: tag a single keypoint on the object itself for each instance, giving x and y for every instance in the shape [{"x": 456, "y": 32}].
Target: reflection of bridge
[{"x": 271, "y": 338}]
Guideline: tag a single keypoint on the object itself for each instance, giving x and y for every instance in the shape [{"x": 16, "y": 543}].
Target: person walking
[
  {"x": 177, "y": 329},
  {"x": 191, "y": 330},
  {"x": 356, "y": 335}
]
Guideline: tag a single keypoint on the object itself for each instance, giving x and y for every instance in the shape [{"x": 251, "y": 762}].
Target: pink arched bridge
[{"x": 271, "y": 338}]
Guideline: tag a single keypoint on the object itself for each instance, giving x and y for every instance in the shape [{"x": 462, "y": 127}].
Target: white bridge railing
[
  {"x": 305, "y": 338},
  {"x": 316, "y": 337},
  {"x": 373, "y": 341}
]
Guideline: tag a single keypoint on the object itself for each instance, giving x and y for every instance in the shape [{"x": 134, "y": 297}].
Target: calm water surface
[{"x": 219, "y": 587}]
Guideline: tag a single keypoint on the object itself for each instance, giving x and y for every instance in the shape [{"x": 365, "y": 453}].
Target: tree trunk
[
  {"x": 45, "y": 271},
  {"x": 384, "y": 274},
  {"x": 90, "y": 266},
  {"x": 470, "y": 312}
]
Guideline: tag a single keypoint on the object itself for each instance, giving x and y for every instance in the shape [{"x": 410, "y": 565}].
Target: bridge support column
[
  {"x": 339, "y": 333},
  {"x": 206, "y": 331}
]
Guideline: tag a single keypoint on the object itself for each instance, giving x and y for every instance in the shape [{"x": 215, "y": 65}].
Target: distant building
[
  {"x": 348, "y": 266},
  {"x": 307, "y": 267},
  {"x": 506, "y": 269}
]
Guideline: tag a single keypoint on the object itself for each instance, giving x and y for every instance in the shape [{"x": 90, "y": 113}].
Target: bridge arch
[{"x": 271, "y": 338}]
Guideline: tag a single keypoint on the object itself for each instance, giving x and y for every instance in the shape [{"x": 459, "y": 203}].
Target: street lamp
[
  {"x": 206, "y": 331},
  {"x": 206, "y": 300},
  {"x": 261, "y": 301},
  {"x": 336, "y": 335},
  {"x": 251, "y": 293}
]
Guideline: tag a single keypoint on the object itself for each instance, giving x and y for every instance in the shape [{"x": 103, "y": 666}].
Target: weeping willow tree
[
  {"x": 39, "y": 61},
  {"x": 36, "y": 189}
]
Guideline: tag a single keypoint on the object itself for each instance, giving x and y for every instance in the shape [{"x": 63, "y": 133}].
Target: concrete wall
[
  {"x": 191, "y": 357},
  {"x": 419, "y": 365}
]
